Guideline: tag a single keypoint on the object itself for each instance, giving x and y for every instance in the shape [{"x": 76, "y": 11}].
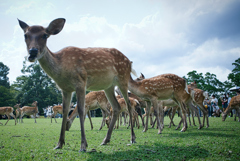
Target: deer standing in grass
[
  {"x": 26, "y": 110},
  {"x": 56, "y": 109},
  {"x": 93, "y": 100},
  {"x": 18, "y": 112},
  {"x": 80, "y": 69},
  {"x": 234, "y": 104},
  {"x": 157, "y": 88},
  {"x": 7, "y": 111}
]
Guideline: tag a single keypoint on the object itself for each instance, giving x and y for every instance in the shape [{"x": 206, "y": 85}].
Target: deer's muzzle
[{"x": 33, "y": 54}]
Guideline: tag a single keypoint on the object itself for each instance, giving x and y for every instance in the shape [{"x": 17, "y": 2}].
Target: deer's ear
[
  {"x": 142, "y": 76},
  {"x": 23, "y": 25},
  {"x": 55, "y": 26}
]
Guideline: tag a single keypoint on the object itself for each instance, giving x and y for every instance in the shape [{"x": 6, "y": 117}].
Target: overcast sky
[{"x": 159, "y": 36}]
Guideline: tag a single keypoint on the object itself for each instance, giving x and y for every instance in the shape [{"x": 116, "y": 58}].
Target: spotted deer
[
  {"x": 7, "y": 111},
  {"x": 80, "y": 69},
  {"x": 234, "y": 104},
  {"x": 93, "y": 100},
  {"x": 160, "y": 87},
  {"x": 198, "y": 97},
  {"x": 27, "y": 110}
]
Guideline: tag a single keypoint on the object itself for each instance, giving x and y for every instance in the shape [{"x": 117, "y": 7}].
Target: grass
[{"x": 30, "y": 141}]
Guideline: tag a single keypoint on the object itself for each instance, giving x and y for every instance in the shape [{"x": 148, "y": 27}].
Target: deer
[
  {"x": 93, "y": 100},
  {"x": 198, "y": 96},
  {"x": 27, "y": 110},
  {"x": 80, "y": 69},
  {"x": 234, "y": 104},
  {"x": 156, "y": 88},
  {"x": 56, "y": 109},
  {"x": 7, "y": 111},
  {"x": 18, "y": 112},
  {"x": 134, "y": 103}
]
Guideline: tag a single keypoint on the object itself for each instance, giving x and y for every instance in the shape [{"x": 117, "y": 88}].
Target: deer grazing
[
  {"x": 7, "y": 111},
  {"x": 26, "y": 110},
  {"x": 198, "y": 97},
  {"x": 93, "y": 100},
  {"x": 134, "y": 103},
  {"x": 160, "y": 87},
  {"x": 234, "y": 104},
  {"x": 80, "y": 69}
]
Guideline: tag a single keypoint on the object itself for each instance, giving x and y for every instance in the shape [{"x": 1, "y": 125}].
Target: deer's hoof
[
  {"x": 133, "y": 142},
  {"x": 57, "y": 147},
  {"x": 82, "y": 150}
]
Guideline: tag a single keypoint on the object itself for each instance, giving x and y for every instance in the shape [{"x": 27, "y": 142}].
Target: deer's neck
[
  {"x": 229, "y": 109},
  {"x": 134, "y": 87},
  {"x": 49, "y": 63}
]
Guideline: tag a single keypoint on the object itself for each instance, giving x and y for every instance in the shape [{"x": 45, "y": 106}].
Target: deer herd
[{"x": 100, "y": 70}]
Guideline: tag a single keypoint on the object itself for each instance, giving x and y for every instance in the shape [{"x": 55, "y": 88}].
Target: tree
[
  {"x": 35, "y": 85},
  {"x": 6, "y": 97},
  {"x": 234, "y": 77},
  {"x": 4, "y": 71}
]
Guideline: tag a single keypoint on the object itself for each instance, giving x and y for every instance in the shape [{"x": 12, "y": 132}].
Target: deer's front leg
[
  {"x": 116, "y": 109},
  {"x": 66, "y": 102},
  {"x": 80, "y": 93},
  {"x": 147, "y": 113}
]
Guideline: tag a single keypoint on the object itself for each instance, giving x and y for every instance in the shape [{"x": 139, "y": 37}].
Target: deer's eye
[{"x": 45, "y": 36}]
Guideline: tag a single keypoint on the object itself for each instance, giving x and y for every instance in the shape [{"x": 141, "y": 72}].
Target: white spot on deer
[
  {"x": 146, "y": 87},
  {"x": 73, "y": 57}
]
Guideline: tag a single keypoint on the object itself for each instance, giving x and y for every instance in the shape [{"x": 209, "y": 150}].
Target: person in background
[
  {"x": 207, "y": 104},
  {"x": 224, "y": 100},
  {"x": 229, "y": 99},
  {"x": 214, "y": 103}
]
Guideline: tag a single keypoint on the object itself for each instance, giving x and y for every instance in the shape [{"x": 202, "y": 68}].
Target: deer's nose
[{"x": 33, "y": 51}]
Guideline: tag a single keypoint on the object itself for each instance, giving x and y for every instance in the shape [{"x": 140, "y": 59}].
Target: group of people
[
  {"x": 213, "y": 108},
  {"x": 47, "y": 111}
]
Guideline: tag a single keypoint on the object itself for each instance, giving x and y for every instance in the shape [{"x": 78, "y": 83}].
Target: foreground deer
[
  {"x": 7, "y": 111},
  {"x": 26, "y": 110},
  {"x": 79, "y": 69},
  {"x": 93, "y": 100},
  {"x": 161, "y": 87},
  {"x": 234, "y": 104}
]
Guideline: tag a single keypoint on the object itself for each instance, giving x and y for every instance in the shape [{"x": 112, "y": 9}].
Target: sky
[{"x": 159, "y": 36}]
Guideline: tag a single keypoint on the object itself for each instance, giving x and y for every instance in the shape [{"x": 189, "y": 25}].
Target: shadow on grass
[{"x": 158, "y": 151}]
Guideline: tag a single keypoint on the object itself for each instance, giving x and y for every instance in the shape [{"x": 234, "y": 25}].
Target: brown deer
[
  {"x": 56, "y": 109},
  {"x": 93, "y": 100},
  {"x": 134, "y": 102},
  {"x": 7, "y": 111},
  {"x": 80, "y": 69},
  {"x": 18, "y": 112},
  {"x": 198, "y": 97},
  {"x": 160, "y": 87},
  {"x": 234, "y": 104},
  {"x": 26, "y": 110}
]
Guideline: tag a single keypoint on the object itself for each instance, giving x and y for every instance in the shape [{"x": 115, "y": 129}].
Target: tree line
[{"x": 35, "y": 85}]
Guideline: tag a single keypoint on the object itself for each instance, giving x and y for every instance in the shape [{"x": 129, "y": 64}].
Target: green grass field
[{"x": 30, "y": 141}]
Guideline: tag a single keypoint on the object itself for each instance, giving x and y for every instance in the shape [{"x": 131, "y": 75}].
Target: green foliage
[
  {"x": 4, "y": 71},
  {"x": 35, "y": 141},
  {"x": 235, "y": 75},
  {"x": 35, "y": 85},
  {"x": 6, "y": 97}
]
